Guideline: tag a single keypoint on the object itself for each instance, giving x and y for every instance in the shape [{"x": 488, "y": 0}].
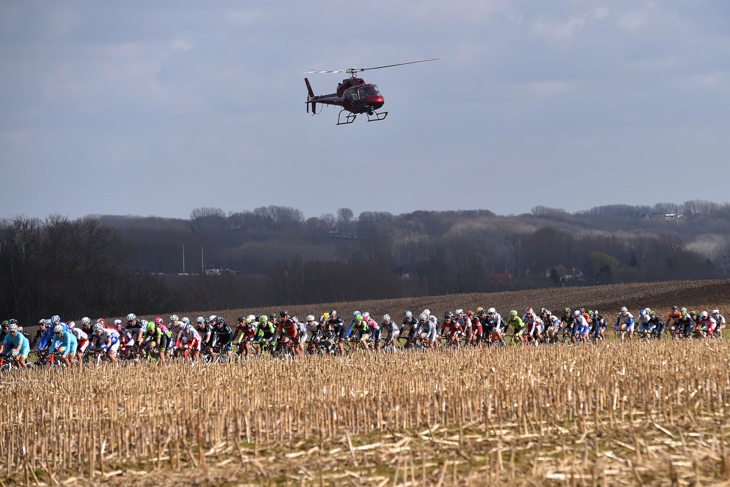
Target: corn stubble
[{"x": 646, "y": 414}]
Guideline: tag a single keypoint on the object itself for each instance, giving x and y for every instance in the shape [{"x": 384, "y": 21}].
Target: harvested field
[
  {"x": 628, "y": 413},
  {"x": 612, "y": 414}
]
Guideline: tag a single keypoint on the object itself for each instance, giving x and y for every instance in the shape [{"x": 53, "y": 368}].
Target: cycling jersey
[
  {"x": 266, "y": 331},
  {"x": 517, "y": 323},
  {"x": 190, "y": 337},
  {"x": 109, "y": 339},
  {"x": 625, "y": 319},
  {"x": 290, "y": 328},
  {"x": 67, "y": 340},
  {"x": 19, "y": 340},
  {"x": 82, "y": 338}
]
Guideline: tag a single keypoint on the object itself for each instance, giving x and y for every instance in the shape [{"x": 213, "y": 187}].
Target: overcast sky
[{"x": 159, "y": 107}]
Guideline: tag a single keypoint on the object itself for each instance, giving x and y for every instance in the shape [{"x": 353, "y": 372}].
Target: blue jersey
[
  {"x": 11, "y": 342},
  {"x": 628, "y": 319},
  {"x": 67, "y": 341}
]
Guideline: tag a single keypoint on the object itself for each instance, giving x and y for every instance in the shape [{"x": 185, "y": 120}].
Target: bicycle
[{"x": 10, "y": 362}]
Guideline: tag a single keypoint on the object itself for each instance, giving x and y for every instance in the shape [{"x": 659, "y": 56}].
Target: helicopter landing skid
[
  {"x": 376, "y": 116},
  {"x": 349, "y": 118}
]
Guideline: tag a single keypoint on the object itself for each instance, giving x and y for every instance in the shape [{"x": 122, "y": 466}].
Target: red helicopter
[{"x": 353, "y": 95}]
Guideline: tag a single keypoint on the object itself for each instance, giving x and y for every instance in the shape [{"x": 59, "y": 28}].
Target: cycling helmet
[
  {"x": 250, "y": 318},
  {"x": 185, "y": 320},
  {"x": 576, "y": 313},
  {"x": 131, "y": 317},
  {"x": 529, "y": 311},
  {"x": 624, "y": 309},
  {"x": 144, "y": 323},
  {"x": 365, "y": 315},
  {"x": 117, "y": 323},
  {"x": 6, "y": 323},
  {"x": 58, "y": 329},
  {"x": 409, "y": 314},
  {"x": 693, "y": 314},
  {"x": 272, "y": 317},
  {"x": 480, "y": 310},
  {"x": 241, "y": 319},
  {"x": 333, "y": 313},
  {"x": 151, "y": 326},
  {"x": 447, "y": 315},
  {"x": 98, "y": 327},
  {"x": 200, "y": 320},
  {"x": 14, "y": 327},
  {"x": 715, "y": 311},
  {"x": 427, "y": 311},
  {"x": 513, "y": 312},
  {"x": 653, "y": 313},
  {"x": 263, "y": 319},
  {"x": 283, "y": 313},
  {"x": 642, "y": 312},
  {"x": 355, "y": 313},
  {"x": 386, "y": 317},
  {"x": 174, "y": 318},
  {"x": 189, "y": 327},
  {"x": 326, "y": 316},
  {"x": 55, "y": 319},
  {"x": 295, "y": 319},
  {"x": 470, "y": 313},
  {"x": 211, "y": 318},
  {"x": 310, "y": 318},
  {"x": 42, "y": 322},
  {"x": 492, "y": 311},
  {"x": 159, "y": 321},
  {"x": 543, "y": 310},
  {"x": 71, "y": 324},
  {"x": 567, "y": 310},
  {"x": 220, "y": 320},
  {"x": 85, "y": 321},
  {"x": 424, "y": 316},
  {"x": 674, "y": 308},
  {"x": 459, "y": 312},
  {"x": 704, "y": 314}
]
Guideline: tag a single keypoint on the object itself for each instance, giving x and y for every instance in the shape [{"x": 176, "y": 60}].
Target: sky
[{"x": 160, "y": 107}]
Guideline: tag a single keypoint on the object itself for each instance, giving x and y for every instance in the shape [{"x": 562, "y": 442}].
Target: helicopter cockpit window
[{"x": 368, "y": 90}]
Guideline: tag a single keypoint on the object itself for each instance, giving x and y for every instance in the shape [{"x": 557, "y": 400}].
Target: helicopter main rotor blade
[
  {"x": 325, "y": 71},
  {"x": 392, "y": 65}
]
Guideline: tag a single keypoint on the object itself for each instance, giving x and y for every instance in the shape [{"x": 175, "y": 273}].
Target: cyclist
[
  {"x": 391, "y": 330},
  {"x": 38, "y": 336},
  {"x": 223, "y": 337},
  {"x": 518, "y": 326},
  {"x": 311, "y": 327},
  {"x": 336, "y": 324},
  {"x": 452, "y": 328},
  {"x": 707, "y": 325},
  {"x": 411, "y": 325},
  {"x": 625, "y": 323},
  {"x": 599, "y": 325},
  {"x": 495, "y": 326},
  {"x": 567, "y": 323},
  {"x": 466, "y": 325},
  {"x": 375, "y": 332},
  {"x": 673, "y": 321},
  {"x": 580, "y": 326},
  {"x": 66, "y": 343},
  {"x": 205, "y": 329},
  {"x": 289, "y": 332},
  {"x": 155, "y": 337},
  {"x": 361, "y": 327},
  {"x": 189, "y": 340},
  {"x": 246, "y": 331},
  {"x": 16, "y": 344},
  {"x": 533, "y": 324},
  {"x": 689, "y": 326},
  {"x": 657, "y": 325},
  {"x": 82, "y": 339},
  {"x": 552, "y": 325},
  {"x": 719, "y": 322},
  {"x": 428, "y": 324},
  {"x": 107, "y": 340},
  {"x": 265, "y": 334}
]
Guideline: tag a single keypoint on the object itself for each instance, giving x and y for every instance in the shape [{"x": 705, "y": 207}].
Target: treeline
[{"x": 274, "y": 255}]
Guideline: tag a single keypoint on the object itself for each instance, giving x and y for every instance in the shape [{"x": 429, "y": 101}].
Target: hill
[{"x": 659, "y": 296}]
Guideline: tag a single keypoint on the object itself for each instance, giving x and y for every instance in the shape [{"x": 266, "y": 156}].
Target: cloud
[{"x": 558, "y": 30}]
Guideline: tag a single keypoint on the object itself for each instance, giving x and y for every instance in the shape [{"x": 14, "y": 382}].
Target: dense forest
[{"x": 109, "y": 265}]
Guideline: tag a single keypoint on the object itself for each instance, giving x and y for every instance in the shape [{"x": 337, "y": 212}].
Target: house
[{"x": 500, "y": 279}]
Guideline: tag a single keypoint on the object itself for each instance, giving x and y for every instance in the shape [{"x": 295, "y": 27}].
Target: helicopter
[{"x": 354, "y": 95}]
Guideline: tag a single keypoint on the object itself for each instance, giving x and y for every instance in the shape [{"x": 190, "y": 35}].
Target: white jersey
[{"x": 79, "y": 334}]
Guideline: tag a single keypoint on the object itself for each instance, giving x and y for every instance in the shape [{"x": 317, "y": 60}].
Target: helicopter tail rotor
[{"x": 309, "y": 98}]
